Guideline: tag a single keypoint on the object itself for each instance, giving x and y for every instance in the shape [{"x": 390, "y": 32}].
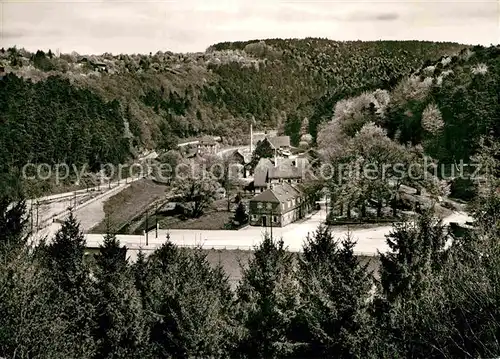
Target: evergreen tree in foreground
[
  {"x": 190, "y": 304},
  {"x": 72, "y": 289},
  {"x": 333, "y": 316},
  {"x": 268, "y": 297},
  {"x": 410, "y": 274},
  {"x": 27, "y": 325},
  {"x": 121, "y": 323},
  {"x": 13, "y": 231}
]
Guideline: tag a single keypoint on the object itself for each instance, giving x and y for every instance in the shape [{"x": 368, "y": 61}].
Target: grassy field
[
  {"x": 214, "y": 218},
  {"x": 210, "y": 221},
  {"x": 130, "y": 203}
]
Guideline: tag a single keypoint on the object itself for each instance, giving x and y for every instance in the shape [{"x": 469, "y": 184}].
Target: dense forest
[
  {"x": 443, "y": 111},
  {"x": 154, "y": 100}
]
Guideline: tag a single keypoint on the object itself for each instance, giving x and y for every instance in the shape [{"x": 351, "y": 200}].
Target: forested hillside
[
  {"x": 445, "y": 107},
  {"x": 165, "y": 96},
  {"x": 443, "y": 110}
]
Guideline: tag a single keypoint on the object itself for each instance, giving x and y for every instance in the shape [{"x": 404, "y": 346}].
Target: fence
[{"x": 151, "y": 247}]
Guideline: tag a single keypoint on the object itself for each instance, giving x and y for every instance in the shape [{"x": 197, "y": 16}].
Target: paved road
[
  {"x": 102, "y": 187},
  {"x": 89, "y": 213},
  {"x": 369, "y": 240}
]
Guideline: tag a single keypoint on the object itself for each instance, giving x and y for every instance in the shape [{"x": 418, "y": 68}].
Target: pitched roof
[
  {"x": 266, "y": 196},
  {"x": 279, "y": 141},
  {"x": 207, "y": 140},
  {"x": 192, "y": 152},
  {"x": 279, "y": 193},
  {"x": 261, "y": 172},
  {"x": 247, "y": 157},
  {"x": 287, "y": 168}
]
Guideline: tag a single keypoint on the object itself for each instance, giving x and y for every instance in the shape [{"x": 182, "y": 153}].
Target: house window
[
  {"x": 289, "y": 203},
  {"x": 269, "y": 205},
  {"x": 254, "y": 217},
  {"x": 259, "y": 205},
  {"x": 275, "y": 219},
  {"x": 282, "y": 206}
]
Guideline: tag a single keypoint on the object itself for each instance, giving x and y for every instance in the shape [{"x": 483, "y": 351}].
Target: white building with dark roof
[{"x": 278, "y": 206}]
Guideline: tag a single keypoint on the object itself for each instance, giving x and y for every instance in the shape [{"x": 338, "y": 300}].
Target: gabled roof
[
  {"x": 289, "y": 168},
  {"x": 278, "y": 193},
  {"x": 279, "y": 141},
  {"x": 192, "y": 152},
  {"x": 266, "y": 196},
  {"x": 237, "y": 155},
  {"x": 261, "y": 172},
  {"x": 207, "y": 140},
  {"x": 247, "y": 157}
]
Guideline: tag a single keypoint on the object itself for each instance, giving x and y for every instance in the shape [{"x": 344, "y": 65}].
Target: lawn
[
  {"x": 126, "y": 205},
  {"x": 212, "y": 220},
  {"x": 215, "y": 218}
]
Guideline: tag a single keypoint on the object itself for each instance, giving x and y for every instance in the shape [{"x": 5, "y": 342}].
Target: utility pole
[
  {"x": 271, "y": 223},
  {"x": 31, "y": 215},
  {"x": 326, "y": 204},
  {"x": 147, "y": 225},
  {"x": 37, "y": 215},
  {"x": 156, "y": 220}
]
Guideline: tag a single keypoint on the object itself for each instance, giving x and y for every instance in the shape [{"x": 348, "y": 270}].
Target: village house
[
  {"x": 208, "y": 145},
  {"x": 277, "y": 171},
  {"x": 240, "y": 160},
  {"x": 257, "y": 137},
  {"x": 278, "y": 206},
  {"x": 280, "y": 143}
]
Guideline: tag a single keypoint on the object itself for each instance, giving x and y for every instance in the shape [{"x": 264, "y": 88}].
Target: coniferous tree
[
  {"x": 13, "y": 224},
  {"x": 333, "y": 316},
  {"x": 268, "y": 297},
  {"x": 27, "y": 327},
  {"x": 409, "y": 274},
  {"x": 240, "y": 215},
  {"x": 416, "y": 252},
  {"x": 190, "y": 305},
  {"x": 72, "y": 288},
  {"x": 140, "y": 269},
  {"x": 121, "y": 325}
]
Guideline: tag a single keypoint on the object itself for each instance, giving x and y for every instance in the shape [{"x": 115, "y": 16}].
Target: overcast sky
[{"x": 190, "y": 26}]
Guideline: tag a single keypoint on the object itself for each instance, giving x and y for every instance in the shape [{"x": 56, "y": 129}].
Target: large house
[
  {"x": 281, "y": 143},
  {"x": 208, "y": 145},
  {"x": 257, "y": 137},
  {"x": 280, "y": 170},
  {"x": 278, "y": 206},
  {"x": 241, "y": 160}
]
